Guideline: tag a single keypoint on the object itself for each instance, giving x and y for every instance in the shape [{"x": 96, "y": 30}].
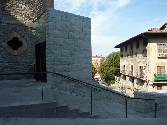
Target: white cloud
[
  {"x": 122, "y": 3},
  {"x": 102, "y": 14}
]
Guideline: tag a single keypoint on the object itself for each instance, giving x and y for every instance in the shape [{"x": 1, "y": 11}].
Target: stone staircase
[
  {"x": 23, "y": 98},
  {"x": 105, "y": 104},
  {"x": 63, "y": 99}
]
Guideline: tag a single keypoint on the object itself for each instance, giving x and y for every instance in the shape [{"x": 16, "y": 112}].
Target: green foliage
[
  {"x": 94, "y": 71},
  {"x": 110, "y": 67},
  {"x": 112, "y": 82}
]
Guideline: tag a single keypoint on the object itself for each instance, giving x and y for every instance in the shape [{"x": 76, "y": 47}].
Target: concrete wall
[{"x": 68, "y": 45}]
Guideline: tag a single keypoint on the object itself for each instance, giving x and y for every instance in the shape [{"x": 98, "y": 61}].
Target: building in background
[
  {"x": 143, "y": 61},
  {"x": 97, "y": 61}
]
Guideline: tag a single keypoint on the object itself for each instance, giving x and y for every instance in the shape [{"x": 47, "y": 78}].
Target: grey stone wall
[
  {"x": 25, "y": 10},
  {"x": 145, "y": 106},
  {"x": 15, "y": 14},
  {"x": 21, "y": 63},
  {"x": 68, "y": 45}
]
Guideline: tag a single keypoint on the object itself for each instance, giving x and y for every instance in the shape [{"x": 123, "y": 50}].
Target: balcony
[{"x": 160, "y": 77}]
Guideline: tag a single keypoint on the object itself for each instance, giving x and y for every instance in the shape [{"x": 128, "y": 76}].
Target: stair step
[
  {"x": 84, "y": 114},
  {"x": 40, "y": 110},
  {"x": 73, "y": 112},
  {"x": 62, "y": 111}
]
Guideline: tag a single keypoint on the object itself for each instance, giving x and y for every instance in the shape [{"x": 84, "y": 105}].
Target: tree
[
  {"x": 110, "y": 67},
  {"x": 94, "y": 71}
]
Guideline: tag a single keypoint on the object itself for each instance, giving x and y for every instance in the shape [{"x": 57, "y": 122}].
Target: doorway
[{"x": 40, "y": 65}]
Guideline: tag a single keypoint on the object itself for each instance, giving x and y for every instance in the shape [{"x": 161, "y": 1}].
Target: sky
[{"x": 114, "y": 21}]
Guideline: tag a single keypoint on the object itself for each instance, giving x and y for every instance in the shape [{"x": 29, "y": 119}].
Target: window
[
  {"x": 137, "y": 44},
  {"x": 145, "y": 52},
  {"x": 141, "y": 74},
  {"x": 131, "y": 72},
  {"x": 160, "y": 69},
  {"x": 124, "y": 77},
  {"x": 132, "y": 68},
  {"x": 145, "y": 41},
  {"x": 125, "y": 47},
  {"x": 131, "y": 46},
  {"x": 162, "y": 47},
  {"x": 141, "y": 69},
  {"x": 131, "y": 53},
  {"x": 124, "y": 67},
  {"x": 122, "y": 55},
  {"x": 159, "y": 87},
  {"x": 122, "y": 49}
]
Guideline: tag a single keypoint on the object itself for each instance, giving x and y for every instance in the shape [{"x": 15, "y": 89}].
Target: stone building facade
[
  {"x": 97, "y": 61},
  {"x": 25, "y": 24},
  {"x": 143, "y": 62}
]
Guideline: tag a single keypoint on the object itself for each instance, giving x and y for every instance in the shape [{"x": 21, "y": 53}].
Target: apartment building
[{"x": 143, "y": 61}]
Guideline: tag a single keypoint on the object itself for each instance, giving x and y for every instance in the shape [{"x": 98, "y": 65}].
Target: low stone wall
[{"x": 145, "y": 106}]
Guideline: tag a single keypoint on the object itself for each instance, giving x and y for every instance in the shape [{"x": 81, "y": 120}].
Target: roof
[
  {"x": 152, "y": 32},
  {"x": 97, "y": 56}
]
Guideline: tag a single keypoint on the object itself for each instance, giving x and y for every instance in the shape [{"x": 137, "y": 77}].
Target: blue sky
[{"x": 114, "y": 21}]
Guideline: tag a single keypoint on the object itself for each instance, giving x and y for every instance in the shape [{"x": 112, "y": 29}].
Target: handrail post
[
  {"x": 42, "y": 92},
  {"x": 42, "y": 88},
  {"x": 126, "y": 107},
  {"x": 91, "y": 102},
  {"x": 155, "y": 109}
]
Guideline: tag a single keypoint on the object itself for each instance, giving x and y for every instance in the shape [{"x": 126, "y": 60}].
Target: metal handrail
[{"x": 92, "y": 86}]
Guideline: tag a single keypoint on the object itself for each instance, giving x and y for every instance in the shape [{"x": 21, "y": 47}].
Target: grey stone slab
[{"x": 83, "y": 121}]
